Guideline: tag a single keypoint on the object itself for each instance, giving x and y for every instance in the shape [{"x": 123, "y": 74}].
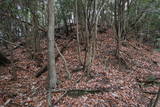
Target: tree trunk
[{"x": 51, "y": 52}]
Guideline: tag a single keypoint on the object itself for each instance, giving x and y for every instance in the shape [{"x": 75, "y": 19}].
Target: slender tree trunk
[
  {"x": 36, "y": 36},
  {"x": 118, "y": 26},
  {"x": 77, "y": 30},
  {"x": 51, "y": 51}
]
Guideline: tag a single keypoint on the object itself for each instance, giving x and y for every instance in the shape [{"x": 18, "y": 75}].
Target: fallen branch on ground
[
  {"x": 13, "y": 44},
  {"x": 153, "y": 92},
  {"x": 157, "y": 98},
  {"x": 65, "y": 93},
  {"x": 85, "y": 90},
  {"x": 79, "y": 92},
  {"x": 4, "y": 60},
  {"x": 45, "y": 67}
]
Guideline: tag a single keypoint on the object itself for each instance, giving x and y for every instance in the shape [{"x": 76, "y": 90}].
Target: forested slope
[{"x": 133, "y": 83}]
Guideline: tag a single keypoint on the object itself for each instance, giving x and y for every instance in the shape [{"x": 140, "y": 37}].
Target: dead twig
[
  {"x": 63, "y": 95},
  {"x": 157, "y": 98},
  {"x": 7, "y": 102},
  {"x": 153, "y": 93},
  {"x": 65, "y": 62}
]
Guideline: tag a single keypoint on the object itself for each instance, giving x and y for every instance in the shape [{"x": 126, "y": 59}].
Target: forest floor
[{"x": 134, "y": 85}]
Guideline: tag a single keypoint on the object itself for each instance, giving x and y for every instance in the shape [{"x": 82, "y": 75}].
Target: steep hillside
[{"x": 134, "y": 84}]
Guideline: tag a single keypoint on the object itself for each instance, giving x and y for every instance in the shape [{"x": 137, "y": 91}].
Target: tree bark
[{"x": 51, "y": 51}]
